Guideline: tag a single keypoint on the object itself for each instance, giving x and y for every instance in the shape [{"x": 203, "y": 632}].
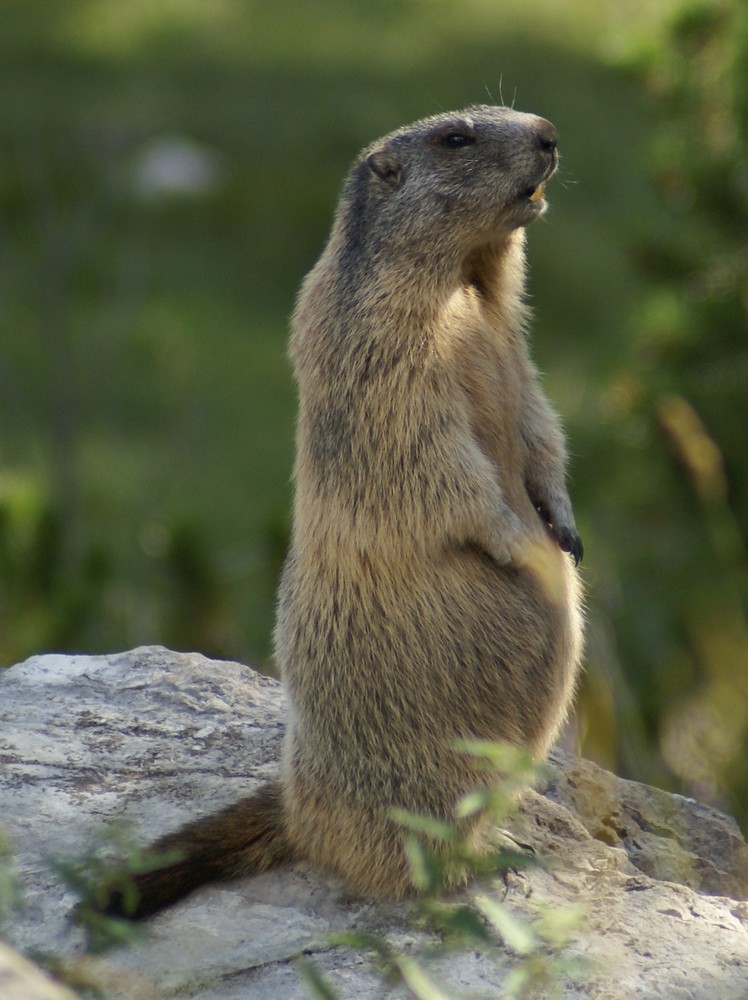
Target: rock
[
  {"x": 669, "y": 837},
  {"x": 20, "y": 980},
  {"x": 174, "y": 166},
  {"x": 159, "y": 737}
]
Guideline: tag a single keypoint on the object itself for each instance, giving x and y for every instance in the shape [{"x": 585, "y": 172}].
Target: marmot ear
[{"x": 385, "y": 164}]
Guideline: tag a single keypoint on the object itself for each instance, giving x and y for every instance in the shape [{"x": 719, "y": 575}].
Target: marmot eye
[{"x": 455, "y": 140}]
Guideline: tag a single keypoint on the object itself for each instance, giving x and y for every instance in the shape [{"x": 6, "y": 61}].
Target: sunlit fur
[
  {"x": 427, "y": 596},
  {"x": 424, "y": 598}
]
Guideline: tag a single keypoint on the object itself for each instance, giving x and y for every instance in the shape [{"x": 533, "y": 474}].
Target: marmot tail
[{"x": 242, "y": 839}]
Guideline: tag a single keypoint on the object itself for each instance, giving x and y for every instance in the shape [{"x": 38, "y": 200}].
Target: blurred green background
[{"x": 168, "y": 173}]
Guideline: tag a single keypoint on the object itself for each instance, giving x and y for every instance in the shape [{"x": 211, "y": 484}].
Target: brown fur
[
  {"x": 250, "y": 835},
  {"x": 427, "y": 596}
]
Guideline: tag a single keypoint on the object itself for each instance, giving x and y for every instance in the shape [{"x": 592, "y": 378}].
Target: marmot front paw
[{"x": 569, "y": 541}]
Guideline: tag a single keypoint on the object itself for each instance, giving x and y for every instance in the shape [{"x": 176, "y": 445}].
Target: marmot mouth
[{"x": 536, "y": 193}]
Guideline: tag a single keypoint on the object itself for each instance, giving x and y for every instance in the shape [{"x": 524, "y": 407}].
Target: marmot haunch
[{"x": 430, "y": 593}]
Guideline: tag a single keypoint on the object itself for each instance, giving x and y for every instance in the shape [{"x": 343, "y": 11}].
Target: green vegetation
[
  {"x": 147, "y": 409},
  {"x": 10, "y": 893}
]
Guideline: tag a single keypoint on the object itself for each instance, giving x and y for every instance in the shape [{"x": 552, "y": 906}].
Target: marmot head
[{"x": 461, "y": 178}]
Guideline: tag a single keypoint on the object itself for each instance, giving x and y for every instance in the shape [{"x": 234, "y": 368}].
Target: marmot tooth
[{"x": 538, "y": 192}]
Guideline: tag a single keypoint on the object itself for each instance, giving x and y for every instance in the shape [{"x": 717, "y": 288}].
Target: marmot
[{"x": 428, "y": 595}]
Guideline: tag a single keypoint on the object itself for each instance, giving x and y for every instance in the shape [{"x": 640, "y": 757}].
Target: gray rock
[
  {"x": 20, "y": 980},
  {"x": 160, "y": 737},
  {"x": 669, "y": 837}
]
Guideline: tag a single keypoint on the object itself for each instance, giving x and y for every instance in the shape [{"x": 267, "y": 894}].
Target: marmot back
[{"x": 430, "y": 592}]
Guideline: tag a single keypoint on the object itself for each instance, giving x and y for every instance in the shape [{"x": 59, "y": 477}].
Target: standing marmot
[{"x": 426, "y": 597}]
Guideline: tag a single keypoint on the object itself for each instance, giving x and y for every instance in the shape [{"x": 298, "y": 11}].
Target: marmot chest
[{"x": 490, "y": 372}]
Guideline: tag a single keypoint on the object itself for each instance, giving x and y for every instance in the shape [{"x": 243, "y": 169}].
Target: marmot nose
[{"x": 547, "y": 136}]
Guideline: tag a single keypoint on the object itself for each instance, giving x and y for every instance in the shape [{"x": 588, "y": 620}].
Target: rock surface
[
  {"x": 20, "y": 980},
  {"x": 158, "y": 737}
]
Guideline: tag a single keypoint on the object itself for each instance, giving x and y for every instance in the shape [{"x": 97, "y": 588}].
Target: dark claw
[
  {"x": 570, "y": 542},
  {"x": 567, "y": 538}
]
